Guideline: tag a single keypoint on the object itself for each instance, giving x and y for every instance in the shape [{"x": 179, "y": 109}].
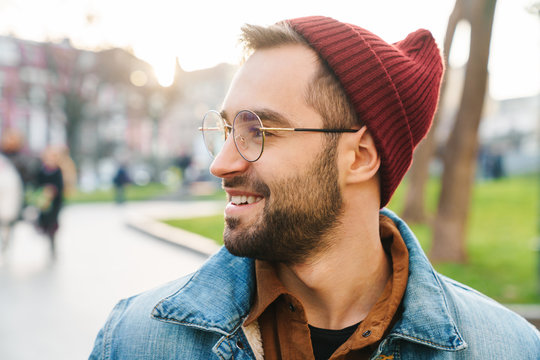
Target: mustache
[{"x": 254, "y": 185}]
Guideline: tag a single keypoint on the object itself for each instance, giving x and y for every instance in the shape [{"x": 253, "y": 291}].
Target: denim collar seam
[
  {"x": 193, "y": 325},
  {"x": 429, "y": 343},
  {"x": 168, "y": 297}
]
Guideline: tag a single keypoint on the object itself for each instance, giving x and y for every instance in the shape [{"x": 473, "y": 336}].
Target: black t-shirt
[{"x": 325, "y": 341}]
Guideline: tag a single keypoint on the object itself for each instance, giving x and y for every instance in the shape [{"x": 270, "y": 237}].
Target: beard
[{"x": 298, "y": 216}]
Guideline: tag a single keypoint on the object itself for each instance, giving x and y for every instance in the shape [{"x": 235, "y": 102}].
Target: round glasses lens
[
  {"x": 248, "y": 136},
  {"x": 213, "y": 130}
]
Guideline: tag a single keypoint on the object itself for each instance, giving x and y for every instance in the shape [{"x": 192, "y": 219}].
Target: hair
[{"x": 324, "y": 93}]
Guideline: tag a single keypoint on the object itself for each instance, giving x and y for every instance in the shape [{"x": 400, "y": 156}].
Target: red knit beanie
[{"x": 394, "y": 89}]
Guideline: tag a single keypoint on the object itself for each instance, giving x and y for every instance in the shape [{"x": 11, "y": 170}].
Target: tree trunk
[
  {"x": 414, "y": 210},
  {"x": 74, "y": 112},
  {"x": 449, "y": 231}
]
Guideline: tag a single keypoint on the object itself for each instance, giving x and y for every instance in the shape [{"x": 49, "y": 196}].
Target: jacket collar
[
  {"x": 218, "y": 298},
  {"x": 426, "y": 318}
]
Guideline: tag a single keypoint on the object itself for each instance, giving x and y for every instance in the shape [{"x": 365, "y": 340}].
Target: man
[{"x": 320, "y": 124}]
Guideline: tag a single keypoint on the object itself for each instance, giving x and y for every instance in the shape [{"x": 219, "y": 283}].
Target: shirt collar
[{"x": 269, "y": 288}]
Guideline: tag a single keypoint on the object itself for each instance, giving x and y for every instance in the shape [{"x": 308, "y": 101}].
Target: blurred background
[{"x": 109, "y": 95}]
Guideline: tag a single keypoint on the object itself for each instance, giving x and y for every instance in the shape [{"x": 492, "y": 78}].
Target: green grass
[
  {"x": 133, "y": 193},
  {"x": 503, "y": 241},
  {"x": 502, "y": 237},
  {"x": 208, "y": 226}
]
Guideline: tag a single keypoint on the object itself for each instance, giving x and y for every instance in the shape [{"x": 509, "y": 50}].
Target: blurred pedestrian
[
  {"x": 11, "y": 200},
  {"x": 50, "y": 194},
  {"x": 183, "y": 161},
  {"x": 120, "y": 180},
  {"x": 12, "y": 145}
]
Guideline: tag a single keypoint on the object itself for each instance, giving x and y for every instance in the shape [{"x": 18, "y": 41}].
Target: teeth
[
  {"x": 236, "y": 199},
  {"x": 243, "y": 199}
]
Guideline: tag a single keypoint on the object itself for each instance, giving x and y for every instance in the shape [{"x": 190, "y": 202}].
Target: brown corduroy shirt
[{"x": 283, "y": 323}]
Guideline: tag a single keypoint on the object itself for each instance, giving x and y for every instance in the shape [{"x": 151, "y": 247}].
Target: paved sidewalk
[{"x": 53, "y": 309}]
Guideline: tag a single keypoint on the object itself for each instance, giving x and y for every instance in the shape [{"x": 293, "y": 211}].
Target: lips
[
  {"x": 244, "y": 193},
  {"x": 242, "y": 204}
]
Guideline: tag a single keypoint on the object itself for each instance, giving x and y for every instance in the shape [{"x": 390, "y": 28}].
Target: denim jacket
[{"x": 201, "y": 316}]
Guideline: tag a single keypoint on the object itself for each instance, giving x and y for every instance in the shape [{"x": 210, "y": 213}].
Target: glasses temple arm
[{"x": 310, "y": 129}]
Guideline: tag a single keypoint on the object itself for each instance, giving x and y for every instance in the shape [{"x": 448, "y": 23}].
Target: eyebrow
[
  {"x": 267, "y": 116},
  {"x": 272, "y": 117}
]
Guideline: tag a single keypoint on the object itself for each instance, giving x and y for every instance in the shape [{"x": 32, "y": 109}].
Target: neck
[{"x": 338, "y": 288}]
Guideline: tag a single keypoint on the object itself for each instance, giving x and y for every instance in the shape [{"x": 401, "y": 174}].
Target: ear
[{"x": 361, "y": 159}]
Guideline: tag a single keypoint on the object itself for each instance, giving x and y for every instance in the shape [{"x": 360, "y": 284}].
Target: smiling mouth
[{"x": 245, "y": 200}]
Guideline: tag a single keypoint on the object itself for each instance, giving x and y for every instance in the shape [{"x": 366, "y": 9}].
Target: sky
[{"x": 204, "y": 33}]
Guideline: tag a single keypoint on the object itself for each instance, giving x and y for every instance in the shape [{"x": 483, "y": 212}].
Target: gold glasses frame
[{"x": 262, "y": 128}]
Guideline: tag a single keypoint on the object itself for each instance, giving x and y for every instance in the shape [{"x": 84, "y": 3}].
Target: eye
[
  {"x": 256, "y": 132},
  {"x": 269, "y": 133}
]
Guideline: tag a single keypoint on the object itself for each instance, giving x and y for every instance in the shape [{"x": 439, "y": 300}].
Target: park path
[{"x": 54, "y": 309}]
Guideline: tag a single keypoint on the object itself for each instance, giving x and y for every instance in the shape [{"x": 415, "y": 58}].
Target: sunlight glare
[
  {"x": 138, "y": 78},
  {"x": 164, "y": 68},
  {"x": 162, "y": 60},
  {"x": 459, "y": 53}
]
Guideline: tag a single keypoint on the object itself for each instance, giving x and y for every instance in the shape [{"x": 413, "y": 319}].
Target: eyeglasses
[{"x": 248, "y": 133}]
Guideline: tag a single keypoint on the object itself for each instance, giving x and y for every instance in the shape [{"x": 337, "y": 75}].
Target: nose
[{"x": 228, "y": 162}]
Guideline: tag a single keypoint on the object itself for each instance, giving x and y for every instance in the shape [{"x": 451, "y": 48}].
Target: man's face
[{"x": 281, "y": 205}]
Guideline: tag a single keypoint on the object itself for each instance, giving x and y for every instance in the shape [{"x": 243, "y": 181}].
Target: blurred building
[
  {"x": 104, "y": 105},
  {"x": 509, "y": 133},
  {"x": 512, "y": 132}
]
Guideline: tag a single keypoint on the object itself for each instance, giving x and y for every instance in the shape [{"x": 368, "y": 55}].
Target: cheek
[
  {"x": 285, "y": 159},
  {"x": 282, "y": 165},
  {"x": 291, "y": 190}
]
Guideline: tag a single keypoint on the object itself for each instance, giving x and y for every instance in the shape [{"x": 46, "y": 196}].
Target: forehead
[{"x": 276, "y": 79}]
